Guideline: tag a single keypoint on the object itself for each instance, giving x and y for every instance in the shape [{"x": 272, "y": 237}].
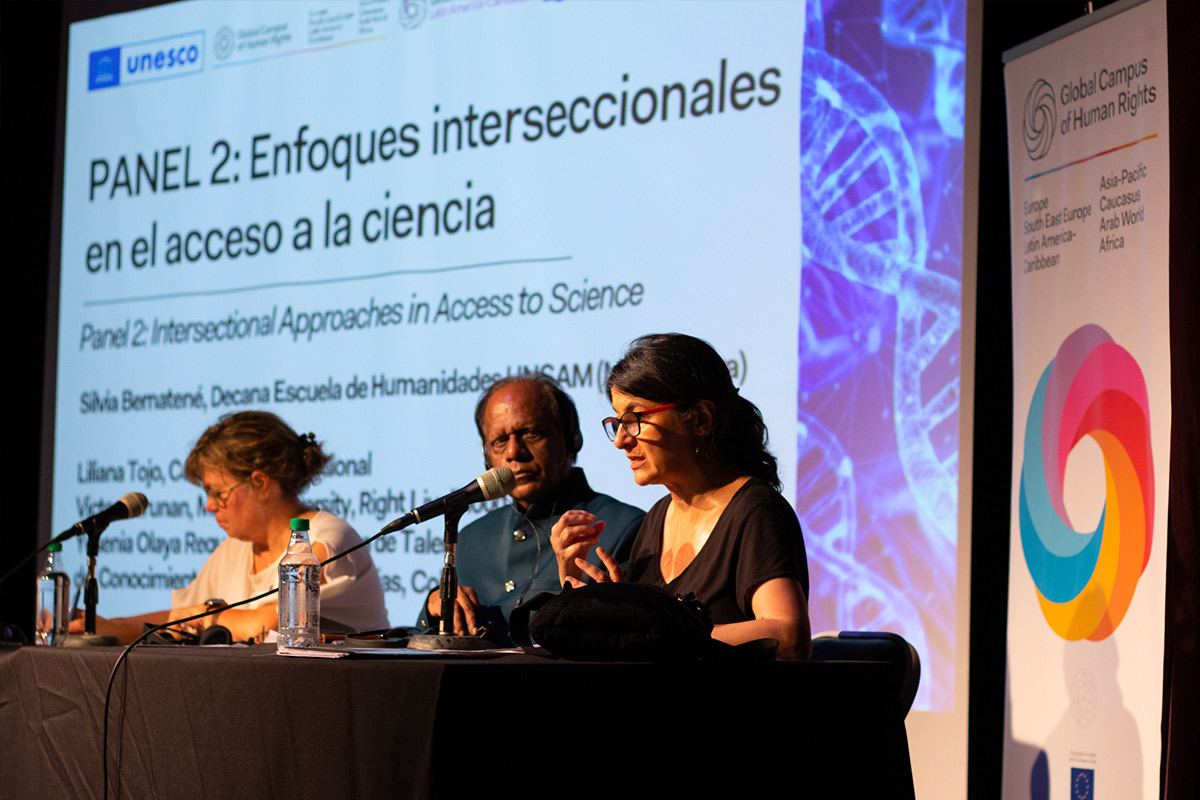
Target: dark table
[{"x": 216, "y": 722}]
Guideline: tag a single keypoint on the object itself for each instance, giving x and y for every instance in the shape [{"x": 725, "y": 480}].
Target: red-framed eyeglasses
[{"x": 631, "y": 421}]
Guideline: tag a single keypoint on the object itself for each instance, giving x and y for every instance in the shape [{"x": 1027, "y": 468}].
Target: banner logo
[
  {"x": 167, "y": 57},
  {"x": 1083, "y": 693},
  {"x": 224, "y": 42},
  {"x": 412, "y": 13},
  {"x": 1083, "y": 783},
  {"x": 104, "y": 68},
  {"x": 1040, "y": 116},
  {"x": 1085, "y": 581}
]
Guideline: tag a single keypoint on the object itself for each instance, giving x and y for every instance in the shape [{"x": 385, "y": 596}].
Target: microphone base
[
  {"x": 434, "y": 641},
  {"x": 90, "y": 640}
]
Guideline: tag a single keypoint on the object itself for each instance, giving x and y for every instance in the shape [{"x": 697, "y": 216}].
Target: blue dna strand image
[{"x": 880, "y": 316}]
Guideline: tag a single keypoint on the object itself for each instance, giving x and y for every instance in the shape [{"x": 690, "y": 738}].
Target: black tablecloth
[{"x": 214, "y": 722}]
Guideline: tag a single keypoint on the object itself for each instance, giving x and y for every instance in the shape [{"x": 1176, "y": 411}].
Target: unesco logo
[
  {"x": 1040, "y": 116},
  {"x": 223, "y": 43},
  {"x": 104, "y": 68},
  {"x": 173, "y": 56}
]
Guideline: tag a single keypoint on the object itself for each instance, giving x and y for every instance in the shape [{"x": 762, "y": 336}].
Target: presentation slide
[{"x": 357, "y": 215}]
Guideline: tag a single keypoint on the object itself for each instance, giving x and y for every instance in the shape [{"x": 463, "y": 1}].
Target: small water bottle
[
  {"x": 54, "y": 588},
  {"x": 299, "y": 591}
]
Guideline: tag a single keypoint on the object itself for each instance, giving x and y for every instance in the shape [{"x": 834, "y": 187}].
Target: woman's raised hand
[
  {"x": 575, "y": 533},
  {"x": 609, "y": 573}
]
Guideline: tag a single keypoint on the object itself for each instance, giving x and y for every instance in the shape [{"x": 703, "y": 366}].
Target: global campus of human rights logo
[
  {"x": 1085, "y": 581},
  {"x": 1039, "y": 121}
]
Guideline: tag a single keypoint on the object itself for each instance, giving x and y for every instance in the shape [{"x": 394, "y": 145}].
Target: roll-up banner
[{"x": 1089, "y": 173}]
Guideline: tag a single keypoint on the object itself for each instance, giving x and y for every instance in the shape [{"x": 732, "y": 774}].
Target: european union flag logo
[{"x": 1083, "y": 784}]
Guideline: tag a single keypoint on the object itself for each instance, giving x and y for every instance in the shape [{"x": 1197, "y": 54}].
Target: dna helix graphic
[
  {"x": 925, "y": 25},
  {"x": 863, "y": 219}
]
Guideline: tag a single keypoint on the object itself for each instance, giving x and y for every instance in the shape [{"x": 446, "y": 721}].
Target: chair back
[{"x": 874, "y": 646}]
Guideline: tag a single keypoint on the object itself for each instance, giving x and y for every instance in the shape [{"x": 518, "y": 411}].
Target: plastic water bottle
[
  {"x": 299, "y": 591},
  {"x": 54, "y": 589}
]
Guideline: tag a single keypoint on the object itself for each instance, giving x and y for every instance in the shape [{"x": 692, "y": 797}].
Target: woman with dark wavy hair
[
  {"x": 723, "y": 533},
  {"x": 253, "y": 467}
]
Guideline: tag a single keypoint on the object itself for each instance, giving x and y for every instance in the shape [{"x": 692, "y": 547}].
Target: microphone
[
  {"x": 496, "y": 482},
  {"x": 131, "y": 505}
]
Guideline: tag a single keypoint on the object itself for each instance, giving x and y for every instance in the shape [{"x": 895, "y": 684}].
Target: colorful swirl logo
[{"x": 1085, "y": 581}]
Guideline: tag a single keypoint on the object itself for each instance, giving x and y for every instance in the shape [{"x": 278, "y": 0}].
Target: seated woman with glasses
[
  {"x": 723, "y": 533},
  {"x": 253, "y": 467}
]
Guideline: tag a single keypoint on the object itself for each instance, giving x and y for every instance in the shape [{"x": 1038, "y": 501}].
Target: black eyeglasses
[{"x": 631, "y": 421}]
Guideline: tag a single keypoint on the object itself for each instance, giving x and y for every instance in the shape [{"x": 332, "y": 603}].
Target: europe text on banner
[{"x": 1089, "y": 174}]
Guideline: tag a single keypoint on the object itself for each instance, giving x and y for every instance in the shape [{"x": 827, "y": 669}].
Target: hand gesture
[
  {"x": 575, "y": 533},
  {"x": 610, "y": 573}
]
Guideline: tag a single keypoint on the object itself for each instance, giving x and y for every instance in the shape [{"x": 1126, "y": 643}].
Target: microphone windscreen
[
  {"x": 136, "y": 502},
  {"x": 497, "y": 482}
]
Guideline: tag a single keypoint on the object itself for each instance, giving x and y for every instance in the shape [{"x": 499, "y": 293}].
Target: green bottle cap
[
  {"x": 299, "y": 524},
  {"x": 54, "y": 547}
]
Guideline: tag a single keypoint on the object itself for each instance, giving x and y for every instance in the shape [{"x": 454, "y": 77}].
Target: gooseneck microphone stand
[{"x": 445, "y": 639}]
